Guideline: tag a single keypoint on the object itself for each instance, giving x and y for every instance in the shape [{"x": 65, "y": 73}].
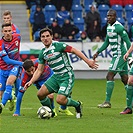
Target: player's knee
[{"x": 61, "y": 100}]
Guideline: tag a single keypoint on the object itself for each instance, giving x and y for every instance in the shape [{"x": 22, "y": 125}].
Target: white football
[{"x": 44, "y": 112}]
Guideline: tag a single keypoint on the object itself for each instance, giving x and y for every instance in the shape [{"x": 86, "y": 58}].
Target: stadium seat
[
  {"x": 119, "y": 10},
  {"x": 116, "y": 2},
  {"x": 76, "y": 2},
  {"x": 79, "y": 22},
  {"x": 33, "y": 8},
  {"x": 49, "y": 21},
  {"x": 87, "y": 8},
  {"x": 103, "y": 9},
  {"x": 50, "y": 12},
  {"x": 103, "y": 21},
  {"x": 127, "y": 2},
  {"x": 129, "y": 11},
  {"x": 129, "y": 21},
  {"x": 36, "y": 36},
  {"x": 77, "y": 11},
  {"x": 121, "y": 20},
  {"x": 88, "y": 2}
]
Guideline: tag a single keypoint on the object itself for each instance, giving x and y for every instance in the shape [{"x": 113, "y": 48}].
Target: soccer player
[
  {"x": 116, "y": 37},
  {"x": 129, "y": 90},
  {"x": 29, "y": 67},
  {"x": 7, "y": 18},
  {"x": 9, "y": 73},
  {"x": 62, "y": 81}
]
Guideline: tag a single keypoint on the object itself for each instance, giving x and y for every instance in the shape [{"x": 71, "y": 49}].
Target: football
[{"x": 44, "y": 112}]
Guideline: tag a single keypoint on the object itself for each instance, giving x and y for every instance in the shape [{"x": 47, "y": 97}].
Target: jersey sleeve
[
  {"x": 7, "y": 60},
  {"x": 121, "y": 31},
  {"x": 104, "y": 46},
  {"x": 41, "y": 59}
]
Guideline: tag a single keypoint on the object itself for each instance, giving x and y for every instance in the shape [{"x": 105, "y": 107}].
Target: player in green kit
[
  {"x": 116, "y": 37},
  {"x": 62, "y": 81}
]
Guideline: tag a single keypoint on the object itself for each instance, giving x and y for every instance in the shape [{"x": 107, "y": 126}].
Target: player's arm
[
  {"x": 7, "y": 60},
  {"x": 103, "y": 47},
  {"x": 121, "y": 31},
  {"x": 92, "y": 64},
  {"x": 35, "y": 76}
]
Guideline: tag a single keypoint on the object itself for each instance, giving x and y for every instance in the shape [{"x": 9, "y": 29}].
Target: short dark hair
[
  {"x": 44, "y": 30},
  {"x": 112, "y": 11},
  {"x": 28, "y": 64},
  {"x": 6, "y": 25}
]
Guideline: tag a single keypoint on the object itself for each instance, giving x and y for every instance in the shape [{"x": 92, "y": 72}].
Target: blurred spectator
[
  {"x": 62, "y": 15},
  {"x": 39, "y": 19},
  {"x": 56, "y": 37},
  {"x": 69, "y": 30},
  {"x": 93, "y": 22},
  {"x": 84, "y": 38},
  {"x": 104, "y": 31},
  {"x": 60, "y": 3},
  {"x": 97, "y": 39},
  {"x": 99, "y": 2},
  {"x": 29, "y": 3},
  {"x": 43, "y": 3},
  {"x": 56, "y": 29}
]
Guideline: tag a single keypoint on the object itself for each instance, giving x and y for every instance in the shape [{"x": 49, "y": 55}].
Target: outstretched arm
[{"x": 91, "y": 63}]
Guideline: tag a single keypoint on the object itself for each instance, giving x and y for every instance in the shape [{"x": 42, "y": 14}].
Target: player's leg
[
  {"x": 42, "y": 94},
  {"x": 66, "y": 83},
  {"x": 18, "y": 102},
  {"x": 109, "y": 90},
  {"x": 129, "y": 94},
  {"x": 65, "y": 109}
]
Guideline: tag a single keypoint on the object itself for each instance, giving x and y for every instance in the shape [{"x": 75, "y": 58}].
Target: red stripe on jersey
[{"x": 68, "y": 49}]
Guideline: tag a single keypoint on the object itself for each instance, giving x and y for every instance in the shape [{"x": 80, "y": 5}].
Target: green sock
[
  {"x": 129, "y": 96},
  {"x": 109, "y": 90},
  {"x": 46, "y": 102},
  {"x": 71, "y": 102}
]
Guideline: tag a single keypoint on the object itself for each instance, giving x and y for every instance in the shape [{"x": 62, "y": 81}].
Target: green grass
[{"x": 94, "y": 120}]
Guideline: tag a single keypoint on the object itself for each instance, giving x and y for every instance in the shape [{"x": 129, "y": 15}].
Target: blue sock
[
  {"x": 18, "y": 103},
  {"x": 7, "y": 94},
  {"x": 63, "y": 107},
  {"x": 52, "y": 104}
]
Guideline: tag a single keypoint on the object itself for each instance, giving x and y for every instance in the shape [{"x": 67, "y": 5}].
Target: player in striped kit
[
  {"x": 9, "y": 73},
  {"x": 62, "y": 81},
  {"x": 116, "y": 37}
]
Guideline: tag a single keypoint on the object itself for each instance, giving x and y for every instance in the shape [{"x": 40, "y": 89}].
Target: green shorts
[
  {"x": 118, "y": 65},
  {"x": 61, "y": 84}
]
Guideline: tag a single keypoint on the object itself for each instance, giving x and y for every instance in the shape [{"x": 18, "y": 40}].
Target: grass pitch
[{"x": 94, "y": 120}]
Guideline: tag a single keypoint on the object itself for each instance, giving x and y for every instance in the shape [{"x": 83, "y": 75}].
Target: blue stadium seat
[
  {"x": 49, "y": 21},
  {"x": 79, "y": 22},
  {"x": 129, "y": 21},
  {"x": 121, "y": 20},
  {"x": 77, "y": 11},
  {"x": 103, "y": 9},
  {"x": 103, "y": 21},
  {"x": 36, "y": 36},
  {"x": 129, "y": 11},
  {"x": 88, "y": 2},
  {"x": 50, "y": 12},
  {"x": 33, "y": 8},
  {"x": 119, "y": 10},
  {"x": 76, "y": 2},
  {"x": 87, "y": 8}
]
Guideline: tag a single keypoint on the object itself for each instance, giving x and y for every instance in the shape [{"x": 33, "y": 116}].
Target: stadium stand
[{"x": 129, "y": 11}]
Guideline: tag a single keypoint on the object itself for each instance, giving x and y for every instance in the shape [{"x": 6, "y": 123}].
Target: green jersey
[
  {"x": 56, "y": 57},
  {"x": 117, "y": 38}
]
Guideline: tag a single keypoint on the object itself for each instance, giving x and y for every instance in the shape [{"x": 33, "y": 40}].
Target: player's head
[
  {"x": 7, "y": 31},
  {"x": 29, "y": 67},
  {"x": 111, "y": 16},
  {"x": 7, "y": 16},
  {"x": 46, "y": 36}
]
